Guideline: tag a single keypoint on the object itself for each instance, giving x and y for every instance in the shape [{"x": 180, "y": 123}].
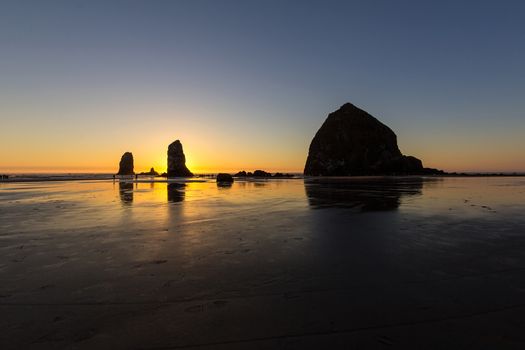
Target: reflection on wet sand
[
  {"x": 364, "y": 194},
  {"x": 442, "y": 268},
  {"x": 126, "y": 192},
  {"x": 176, "y": 192},
  {"x": 224, "y": 185}
]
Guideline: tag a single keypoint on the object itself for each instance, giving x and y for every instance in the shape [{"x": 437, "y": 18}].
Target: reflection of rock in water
[
  {"x": 176, "y": 192},
  {"x": 365, "y": 194},
  {"x": 126, "y": 192},
  {"x": 224, "y": 184}
]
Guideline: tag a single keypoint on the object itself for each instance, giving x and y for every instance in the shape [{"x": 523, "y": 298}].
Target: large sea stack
[
  {"x": 352, "y": 142},
  {"x": 126, "y": 164},
  {"x": 177, "y": 161}
]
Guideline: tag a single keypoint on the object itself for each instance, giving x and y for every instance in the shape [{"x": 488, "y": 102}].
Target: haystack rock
[
  {"x": 177, "y": 161},
  {"x": 352, "y": 142},
  {"x": 126, "y": 164}
]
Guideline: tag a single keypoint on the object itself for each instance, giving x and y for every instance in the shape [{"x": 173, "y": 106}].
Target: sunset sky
[{"x": 246, "y": 84}]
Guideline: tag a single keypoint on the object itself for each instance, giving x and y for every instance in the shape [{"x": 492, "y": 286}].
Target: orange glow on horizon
[{"x": 212, "y": 150}]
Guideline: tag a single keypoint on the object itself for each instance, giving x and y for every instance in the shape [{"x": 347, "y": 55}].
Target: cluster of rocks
[
  {"x": 151, "y": 172},
  {"x": 352, "y": 142},
  {"x": 256, "y": 173},
  {"x": 176, "y": 163},
  {"x": 283, "y": 175},
  {"x": 224, "y": 178},
  {"x": 261, "y": 173}
]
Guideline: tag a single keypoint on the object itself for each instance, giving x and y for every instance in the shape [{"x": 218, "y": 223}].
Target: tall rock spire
[
  {"x": 177, "y": 161},
  {"x": 126, "y": 164}
]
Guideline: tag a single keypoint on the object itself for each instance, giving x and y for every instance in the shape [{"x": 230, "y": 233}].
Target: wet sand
[{"x": 434, "y": 263}]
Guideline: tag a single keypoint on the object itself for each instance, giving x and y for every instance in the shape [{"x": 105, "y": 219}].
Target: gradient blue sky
[{"x": 246, "y": 84}]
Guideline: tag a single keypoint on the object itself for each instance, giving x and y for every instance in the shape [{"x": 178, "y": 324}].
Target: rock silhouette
[
  {"x": 262, "y": 173},
  {"x": 281, "y": 175},
  {"x": 224, "y": 178},
  {"x": 241, "y": 173},
  {"x": 126, "y": 164},
  {"x": 177, "y": 161},
  {"x": 151, "y": 172},
  {"x": 352, "y": 142}
]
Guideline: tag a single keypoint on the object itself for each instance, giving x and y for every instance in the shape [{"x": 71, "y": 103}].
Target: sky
[{"x": 246, "y": 84}]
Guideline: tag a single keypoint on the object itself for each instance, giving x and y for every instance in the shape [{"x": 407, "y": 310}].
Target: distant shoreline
[{"x": 17, "y": 178}]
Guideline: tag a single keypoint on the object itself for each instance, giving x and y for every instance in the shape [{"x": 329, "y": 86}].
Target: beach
[{"x": 407, "y": 262}]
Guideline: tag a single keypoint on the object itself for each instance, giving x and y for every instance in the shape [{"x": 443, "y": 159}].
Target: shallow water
[{"x": 366, "y": 262}]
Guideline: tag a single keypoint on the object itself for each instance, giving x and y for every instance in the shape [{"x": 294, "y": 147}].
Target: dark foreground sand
[{"x": 277, "y": 264}]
